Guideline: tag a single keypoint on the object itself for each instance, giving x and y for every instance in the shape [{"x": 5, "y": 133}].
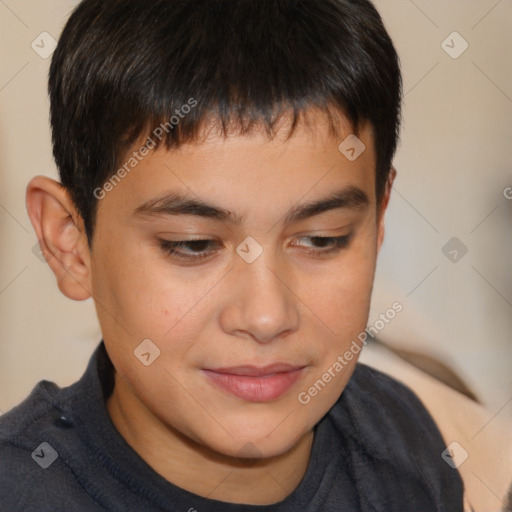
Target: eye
[
  {"x": 322, "y": 245},
  {"x": 189, "y": 250}
]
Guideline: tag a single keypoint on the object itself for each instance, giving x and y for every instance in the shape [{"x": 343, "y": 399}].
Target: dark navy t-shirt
[{"x": 376, "y": 450}]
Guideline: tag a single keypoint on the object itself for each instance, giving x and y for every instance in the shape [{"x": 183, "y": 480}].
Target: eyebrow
[{"x": 179, "y": 204}]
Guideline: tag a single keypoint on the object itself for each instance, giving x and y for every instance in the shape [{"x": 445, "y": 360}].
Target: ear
[
  {"x": 383, "y": 207},
  {"x": 60, "y": 231}
]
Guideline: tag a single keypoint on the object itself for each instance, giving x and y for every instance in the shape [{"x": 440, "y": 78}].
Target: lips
[
  {"x": 256, "y": 384},
  {"x": 254, "y": 371}
]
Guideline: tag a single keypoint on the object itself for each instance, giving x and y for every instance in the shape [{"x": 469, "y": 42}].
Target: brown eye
[
  {"x": 192, "y": 250},
  {"x": 324, "y": 244}
]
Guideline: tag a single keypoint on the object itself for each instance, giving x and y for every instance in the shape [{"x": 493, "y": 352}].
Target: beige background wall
[{"x": 454, "y": 166}]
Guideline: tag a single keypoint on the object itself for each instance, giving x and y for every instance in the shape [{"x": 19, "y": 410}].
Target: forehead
[
  {"x": 316, "y": 132},
  {"x": 251, "y": 169}
]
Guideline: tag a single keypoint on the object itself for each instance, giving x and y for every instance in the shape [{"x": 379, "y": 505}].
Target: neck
[{"x": 198, "y": 469}]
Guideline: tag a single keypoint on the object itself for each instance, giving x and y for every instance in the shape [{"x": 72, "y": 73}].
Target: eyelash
[{"x": 172, "y": 248}]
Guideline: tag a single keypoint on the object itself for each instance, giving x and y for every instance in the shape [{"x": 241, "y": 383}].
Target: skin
[{"x": 293, "y": 304}]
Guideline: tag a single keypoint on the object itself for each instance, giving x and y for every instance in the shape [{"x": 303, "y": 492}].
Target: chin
[{"x": 256, "y": 444}]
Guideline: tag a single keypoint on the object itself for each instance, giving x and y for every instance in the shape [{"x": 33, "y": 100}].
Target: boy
[{"x": 225, "y": 168}]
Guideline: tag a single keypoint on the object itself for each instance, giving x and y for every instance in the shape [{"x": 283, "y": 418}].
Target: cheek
[
  {"x": 342, "y": 303},
  {"x": 341, "y": 296},
  {"x": 146, "y": 298},
  {"x": 143, "y": 293}
]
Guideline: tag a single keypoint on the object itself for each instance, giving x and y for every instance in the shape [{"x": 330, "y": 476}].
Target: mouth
[{"x": 256, "y": 384}]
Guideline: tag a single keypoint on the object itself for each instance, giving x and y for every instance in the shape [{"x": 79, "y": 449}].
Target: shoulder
[
  {"x": 393, "y": 445},
  {"x": 483, "y": 438},
  {"x": 387, "y": 413},
  {"x": 28, "y": 434},
  {"x": 375, "y": 396},
  {"x": 18, "y": 424},
  {"x": 17, "y": 432},
  {"x": 387, "y": 422}
]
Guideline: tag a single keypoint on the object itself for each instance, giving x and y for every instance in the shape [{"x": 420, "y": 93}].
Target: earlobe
[
  {"x": 383, "y": 207},
  {"x": 59, "y": 229}
]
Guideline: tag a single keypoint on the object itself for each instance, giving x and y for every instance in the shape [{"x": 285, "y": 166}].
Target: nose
[{"x": 261, "y": 304}]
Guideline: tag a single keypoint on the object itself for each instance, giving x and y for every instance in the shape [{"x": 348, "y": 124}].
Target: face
[{"x": 249, "y": 265}]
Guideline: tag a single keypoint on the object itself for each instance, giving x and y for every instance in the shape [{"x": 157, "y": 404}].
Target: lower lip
[{"x": 255, "y": 389}]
